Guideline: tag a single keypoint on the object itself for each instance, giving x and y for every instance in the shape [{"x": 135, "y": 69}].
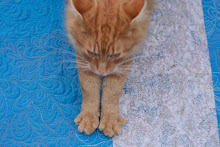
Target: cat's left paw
[{"x": 110, "y": 125}]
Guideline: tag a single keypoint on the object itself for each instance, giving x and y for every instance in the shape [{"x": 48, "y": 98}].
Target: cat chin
[{"x": 102, "y": 75}]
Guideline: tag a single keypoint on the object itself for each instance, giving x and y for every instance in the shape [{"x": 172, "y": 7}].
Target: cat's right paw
[
  {"x": 87, "y": 122},
  {"x": 110, "y": 124}
]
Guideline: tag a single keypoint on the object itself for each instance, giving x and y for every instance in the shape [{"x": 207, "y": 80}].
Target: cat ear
[
  {"x": 134, "y": 7},
  {"x": 82, "y": 5}
]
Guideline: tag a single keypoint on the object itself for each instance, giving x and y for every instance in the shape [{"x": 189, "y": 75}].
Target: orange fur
[{"x": 105, "y": 34}]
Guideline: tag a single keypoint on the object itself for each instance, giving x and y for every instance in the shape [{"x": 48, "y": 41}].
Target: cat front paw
[
  {"x": 87, "y": 122},
  {"x": 111, "y": 125}
]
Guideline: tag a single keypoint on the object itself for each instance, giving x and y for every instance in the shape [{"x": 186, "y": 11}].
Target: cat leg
[
  {"x": 88, "y": 119},
  {"x": 110, "y": 119}
]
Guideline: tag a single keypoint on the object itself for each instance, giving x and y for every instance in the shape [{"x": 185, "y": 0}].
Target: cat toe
[
  {"x": 111, "y": 127},
  {"x": 87, "y": 122}
]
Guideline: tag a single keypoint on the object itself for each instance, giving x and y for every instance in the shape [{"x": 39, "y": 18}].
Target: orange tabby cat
[{"x": 105, "y": 34}]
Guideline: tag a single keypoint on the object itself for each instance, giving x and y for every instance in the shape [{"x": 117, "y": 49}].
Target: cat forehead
[
  {"x": 106, "y": 34},
  {"x": 106, "y": 16}
]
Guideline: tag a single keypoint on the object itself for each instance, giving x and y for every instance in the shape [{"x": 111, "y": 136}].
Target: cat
[{"x": 105, "y": 34}]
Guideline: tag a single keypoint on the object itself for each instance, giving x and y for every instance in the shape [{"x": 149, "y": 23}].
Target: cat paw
[
  {"x": 87, "y": 122},
  {"x": 110, "y": 125}
]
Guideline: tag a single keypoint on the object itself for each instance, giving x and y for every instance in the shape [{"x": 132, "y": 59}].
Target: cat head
[{"x": 105, "y": 33}]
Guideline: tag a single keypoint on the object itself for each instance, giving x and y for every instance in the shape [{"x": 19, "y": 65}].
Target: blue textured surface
[
  {"x": 39, "y": 87},
  {"x": 212, "y": 23}
]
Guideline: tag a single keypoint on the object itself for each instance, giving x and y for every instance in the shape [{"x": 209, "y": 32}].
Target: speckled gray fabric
[{"x": 168, "y": 99}]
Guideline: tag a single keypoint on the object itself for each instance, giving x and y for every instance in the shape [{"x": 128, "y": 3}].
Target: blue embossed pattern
[
  {"x": 39, "y": 86},
  {"x": 212, "y": 23}
]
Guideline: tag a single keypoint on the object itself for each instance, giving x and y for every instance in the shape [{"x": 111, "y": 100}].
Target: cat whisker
[
  {"x": 83, "y": 70},
  {"x": 128, "y": 66},
  {"x": 123, "y": 71},
  {"x": 81, "y": 64},
  {"x": 130, "y": 59},
  {"x": 124, "y": 62},
  {"x": 80, "y": 57},
  {"x": 78, "y": 63},
  {"x": 76, "y": 66},
  {"x": 124, "y": 67},
  {"x": 87, "y": 66},
  {"x": 121, "y": 74},
  {"x": 69, "y": 60}
]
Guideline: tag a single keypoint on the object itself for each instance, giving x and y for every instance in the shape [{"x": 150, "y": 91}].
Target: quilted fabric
[
  {"x": 40, "y": 90},
  {"x": 168, "y": 99},
  {"x": 39, "y": 86},
  {"x": 212, "y": 22}
]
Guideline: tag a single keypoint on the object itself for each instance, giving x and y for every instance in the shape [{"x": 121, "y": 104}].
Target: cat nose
[
  {"x": 102, "y": 73},
  {"x": 102, "y": 69}
]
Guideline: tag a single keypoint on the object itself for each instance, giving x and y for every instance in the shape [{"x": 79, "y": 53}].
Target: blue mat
[
  {"x": 39, "y": 86},
  {"x": 212, "y": 23}
]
